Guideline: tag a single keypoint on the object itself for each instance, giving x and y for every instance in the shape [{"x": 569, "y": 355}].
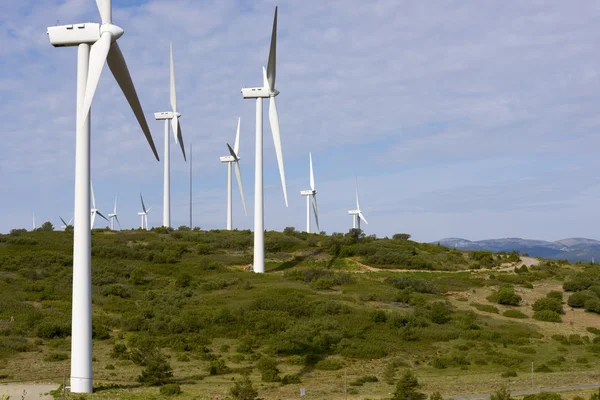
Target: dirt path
[
  {"x": 28, "y": 391},
  {"x": 527, "y": 261},
  {"x": 525, "y": 392}
]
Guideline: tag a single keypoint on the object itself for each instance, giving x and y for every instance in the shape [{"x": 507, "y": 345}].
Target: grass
[{"x": 319, "y": 309}]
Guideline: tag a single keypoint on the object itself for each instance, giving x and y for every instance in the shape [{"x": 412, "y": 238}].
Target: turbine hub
[{"x": 114, "y": 30}]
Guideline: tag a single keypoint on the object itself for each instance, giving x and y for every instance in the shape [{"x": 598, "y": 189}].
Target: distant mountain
[{"x": 572, "y": 249}]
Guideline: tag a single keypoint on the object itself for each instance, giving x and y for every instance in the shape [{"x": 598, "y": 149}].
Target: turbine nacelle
[
  {"x": 76, "y": 34},
  {"x": 354, "y": 212},
  {"x": 308, "y": 192},
  {"x": 225, "y": 159},
  {"x": 166, "y": 115}
]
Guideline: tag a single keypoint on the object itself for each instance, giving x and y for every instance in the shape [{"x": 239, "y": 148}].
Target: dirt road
[{"x": 27, "y": 391}]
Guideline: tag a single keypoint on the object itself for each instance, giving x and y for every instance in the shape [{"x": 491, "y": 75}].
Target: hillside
[
  {"x": 571, "y": 249},
  {"x": 326, "y": 305}
]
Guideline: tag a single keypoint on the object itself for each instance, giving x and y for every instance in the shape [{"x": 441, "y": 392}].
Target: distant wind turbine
[
  {"x": 33, "y": 220},
  {"x": 97, "y": 45},
  {"x": 173, "y": 116},
  {"x": 94, "y": 210},
  {"x": 311, "y": 195},
  {"x": 64, "y": 226},
  {"x": 357, "y": 214},
  {"x": 113, "y": 216},
  {"x": 144, "y": 214},
  {"x": 234, "y": 158},
  {"x": 266, "y": 91}
]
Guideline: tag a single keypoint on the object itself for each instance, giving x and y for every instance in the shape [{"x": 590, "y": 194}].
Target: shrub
[
  {"x": 290, "y": 379},
  {"x": 547, "y": 316},
  {"x": 548, "y": 303},
  {"x": 505, "y": 295},
  {"x": 271, "y": 375},
  {"x": 514, "y": 314},
  {"x": 543, "y": 368},
  {"x": 439, "y": 312},
  {"x": 51, "y": 330},
  {"x": 593, "y": 330},
  {"x": 555, "y": 295},
  {"x": 418, "y": 285},
  {"x": 56, "y": 357},
  {"x": 578, "y": 299},
  {"x": 119, "y": 351},
  {"x": 242, "y": 389},
  {"x": 486, "y": 308},
  {"x": 218, "y": 367},
  {"x": 508, "y": 374},
  {"x": 329, "y": 364},
  {"x": 407, "y": 388},
  {"x": 501, "y": 394},
  {"x": 577, "y": 284},
  {"x": 592, "y": 305},
  {"x": 170, "y": 389}
]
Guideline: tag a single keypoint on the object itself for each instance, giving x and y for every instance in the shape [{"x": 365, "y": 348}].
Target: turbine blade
[
  {"x": 363, "y": 217},
  {"x": 98, "y": 55},
  {"x": 180, "y": 141},
  {"x": 274, "y": 121},
  {"x": 312, "y": 176},
  {"x": 93, "y": 197},
  {"x": 143, "y": 206},
  {"x": 117, "y": 218},
  {"x": 105, "y": 8},
  {"x": 314, "y": 205},
  {"x": 63, "y": 221},
  {"x": 100, "y": 214},
  {"x": 148, "y": 210},
  {"x": 232, "y": 152},
  {"x": 118, "y": 67},
  {"x": 265, "y": 80},
  {"x": 175, "y": 126},
  {"x": 356, "y": 185},
  {"x": 93, "y": 220},
  {"x": 272, "y": 54},
  {"x": 173, "y": 94},
  {"x": 238, "y": 174},
  {"x": 236, "y": 145},
  {"x": 115, "y": 209},
  {"x": 71, "y": 220}
]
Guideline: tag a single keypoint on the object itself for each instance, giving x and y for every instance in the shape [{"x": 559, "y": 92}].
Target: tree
[
  {"x": 47, "y": 226},
  {"x": 406, "y": 388},
  {"x": 401, "y": 236},
  {"x": 243, "y": 390},
  {"x": 183, "y": 228},
  {"x": 289, "y": 230},
  {"x": 355, "y": 234}
]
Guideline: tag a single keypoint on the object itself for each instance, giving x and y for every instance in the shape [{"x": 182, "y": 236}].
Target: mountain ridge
[{"x": 572, "y": 249}]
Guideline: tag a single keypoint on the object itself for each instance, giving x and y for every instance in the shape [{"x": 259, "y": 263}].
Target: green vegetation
[{"x": 175, "y": 307}]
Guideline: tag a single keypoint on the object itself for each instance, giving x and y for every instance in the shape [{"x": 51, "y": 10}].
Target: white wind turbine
[
  {"x": 357, "y": 215},
  {"x": 94, "y": 210},
  {"x": 144, "y": 214},
  {"x": 266, "y": 91},
  {"x": 234, "y": 158},
  {"x": 113, "y": 216},
  {"x": 64, "y": 226},
  {"x": 33, "y": 222},
  {"x": 96, "y": 45},
  {"x": 311, "y": 194},
  {"x": 172, "y": 115}
]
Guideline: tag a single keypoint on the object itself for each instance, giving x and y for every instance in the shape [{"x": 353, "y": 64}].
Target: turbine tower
[
  {"x": 173, "y": 116},
  {"x": 266, "y": 91},
  {"x": 96, "y": 45},
  {"x": 94, "y": 210},
  {"x": 357, "y": 215},
  {"x": 311, "y": 194},
  {"x": 113, "y": 216},
  {"x": 144, "y": 214},
  {"x": 33, "y": 223},
  {"x": 234, "y": 158}
]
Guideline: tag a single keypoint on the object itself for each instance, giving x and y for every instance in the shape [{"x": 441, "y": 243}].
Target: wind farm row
[{"x": 97, "y": 45}]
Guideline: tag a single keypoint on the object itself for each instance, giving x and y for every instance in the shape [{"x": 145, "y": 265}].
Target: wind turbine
[
  {"x": 113, "y": 216},
  {"x": 172, "y": 115},
  {"x": 234, "y": 158},
  {"x": 266, "y": 91},
  {"x": 144, "y": 214},
  {"x": 33, "y": 223},
  {"x": 64, "y": 226},
  {"x": 312, "y": 193},
  {"x": 96, "y": 44},
  {"x": 94, "y": 210},
  {"x": 357, "y": 215}
]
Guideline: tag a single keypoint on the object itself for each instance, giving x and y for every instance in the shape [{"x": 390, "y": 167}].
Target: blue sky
[{"x": 475, "y": 119}]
